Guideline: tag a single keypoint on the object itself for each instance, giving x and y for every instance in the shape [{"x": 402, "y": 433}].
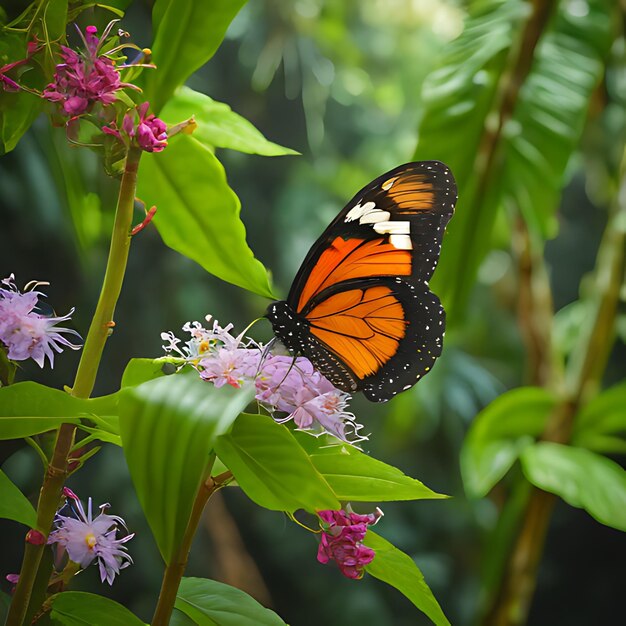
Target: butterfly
[{"x": 360, "y": 308}]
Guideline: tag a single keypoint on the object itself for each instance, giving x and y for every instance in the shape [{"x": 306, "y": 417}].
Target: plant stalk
[
  {"x": 99, "y": 330},
  {"x": 583, "y": 375},
  {"x": 176, "y": 568}
]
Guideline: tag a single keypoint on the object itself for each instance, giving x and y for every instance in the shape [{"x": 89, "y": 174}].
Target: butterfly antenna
[{"x": 266, "y": 350}]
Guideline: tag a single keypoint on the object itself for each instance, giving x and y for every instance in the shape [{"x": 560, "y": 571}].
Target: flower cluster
[
  {"x": 84, "y": 79},
  {"x": 26, "y": 333},
  {"x": 342, "y": 536},
  {"x": 288, "y": 387},
  {"x": 86, "y": 538},
  {"x": 149, "y": 134}
]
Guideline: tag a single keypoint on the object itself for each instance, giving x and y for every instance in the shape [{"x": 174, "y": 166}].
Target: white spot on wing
[
  {"x": 393, "y": 228},
  {"x": 375, "y": 216},
  {"x": 402, "y": 242}
]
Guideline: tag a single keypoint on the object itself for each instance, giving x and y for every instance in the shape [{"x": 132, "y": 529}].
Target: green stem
[
  {"x": 99, "y": 330},
  {"x": 583, "y": 375},
  {"x": 176, "y": 568}
]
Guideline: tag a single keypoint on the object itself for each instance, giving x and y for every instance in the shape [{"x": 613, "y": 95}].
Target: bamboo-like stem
[
  {"x": 99, "y": 330},
  {"x": 583, "y": 374},
  {"x": 176, "y": 568}
]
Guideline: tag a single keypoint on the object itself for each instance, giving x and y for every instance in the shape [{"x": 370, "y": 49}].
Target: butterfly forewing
[{"x": 360, "y": 308}]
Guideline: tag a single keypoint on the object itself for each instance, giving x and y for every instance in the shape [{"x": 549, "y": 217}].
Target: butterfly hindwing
[{"x": 360, "y": 307}]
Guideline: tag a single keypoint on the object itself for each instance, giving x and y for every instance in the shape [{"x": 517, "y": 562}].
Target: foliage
[{"x": 505, "y": 106}]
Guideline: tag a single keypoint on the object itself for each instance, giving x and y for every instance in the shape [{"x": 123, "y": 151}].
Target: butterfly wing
[{"x": 360, "y": 308}]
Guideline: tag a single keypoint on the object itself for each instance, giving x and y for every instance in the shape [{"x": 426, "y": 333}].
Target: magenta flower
[
  {"x": 86, "y": 538},
  {"x": 341, "y": 540},
  {"x": 84, "y": 79},
  {"x": 26, "y": 333},
  {"x": 149, "y": 134},
  {"x": 289, "y": 388}
]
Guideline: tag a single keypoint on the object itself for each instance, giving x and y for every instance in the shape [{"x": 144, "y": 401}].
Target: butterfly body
[{"x": 360, "y": 308}]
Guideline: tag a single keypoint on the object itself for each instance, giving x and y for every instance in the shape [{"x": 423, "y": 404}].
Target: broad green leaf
[
  {"x": 186, "y": 35},
  {"x": 198, "y": 213},
  {"x": 142, "y": 370},
  {"x": 14, "y": 504},
  {"x": 168, "y": 428},
  {"x": 78, "y": 608},
  {"x": 218, "y": 125},
  {"x": 499, "y": 433},
  {"x": 601, "y": 424},
  {"x": 180, "y": 619},
  {"x": 531, "y": 134},
  {"x": 30, "y": 408},
  {"x": 582, "y": 478},
  {"x": 357, "y": 477},
  {"x": 272, "y": 468},
  {"x": 398, "y": 569},
  {"x": 17, "y": 110},
  {"x": 55, "y": 19},
  {"x": 5, "y": 602},
  {"x": 210, "y": 603}
]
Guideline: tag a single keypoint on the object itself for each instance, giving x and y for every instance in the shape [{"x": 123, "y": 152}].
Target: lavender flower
[
  {"x": 341, "y": 540},
  {"x": 149, "y": 134},
  {"x": 26, "y": 333},
  {"x": 84, "y": 79},
  {"x": 289, "y": 388},
  {"x": 86, "y": 539}
]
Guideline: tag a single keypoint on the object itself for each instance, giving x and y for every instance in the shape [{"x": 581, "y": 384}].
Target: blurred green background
[{"x": 341, "y": 83}]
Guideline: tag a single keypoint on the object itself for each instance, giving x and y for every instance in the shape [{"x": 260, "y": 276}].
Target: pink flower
[
  {"x": 84, "y": 79},
  {"x": 149, "y": 134},
  {"x": 86, "y": 538},
  {"x": 26, "y": 333},
  {"x": 342, "y": 534},
  {"x": 289, "y": 388}
]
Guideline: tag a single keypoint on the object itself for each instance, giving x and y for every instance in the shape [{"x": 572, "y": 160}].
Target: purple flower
[
  {"x": 341, "y": 540},
  {"x": 150, "y": 133},
  {"x": 82, "y": 80},
  {"x": 289, "y": 388},
  {"x": 86, "y": 538},
  {"x": 26, "y": 333}
]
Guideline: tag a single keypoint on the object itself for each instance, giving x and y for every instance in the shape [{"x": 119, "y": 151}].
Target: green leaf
[
  {"x": 540, "y": 128},
  {"x": 142, "y": 370},
  {"x": 582, "y": 478},
  {"x": 78, "y": 608},
  {"x": 218, "y": 125},
  {"x": 601, "y": 424},
  {"x": 14, "y": 504},
  {"x": 187, "y": 34},
  {"x": 198, "y": 213},
  {"x": 168, "y": 428},
  {"x": 17, "y": 110},
  {"x": 209, "y": 603},
  {"x": 499, "y": 433},
  {"x": 398, "y": 569},
  {"x": 55, "y": 19},
  {"x": 30, "y": 408},
  {"x": 271, "y": 468},
  {"x": 357, "y": 477}
]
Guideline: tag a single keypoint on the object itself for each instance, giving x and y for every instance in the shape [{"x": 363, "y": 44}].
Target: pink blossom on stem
[
  {"x": 82, "y": 80},
  {"x": 341, "y": 540},
  {"x": 289, "y": 388},
  {"x": 149, "y": 134},
  {"x": 87, "y": 538},
  {"x": 26, "y": 333}
]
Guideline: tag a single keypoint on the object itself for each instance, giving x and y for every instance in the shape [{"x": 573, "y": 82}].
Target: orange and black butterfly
[{"x": 360, "y": 308}]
